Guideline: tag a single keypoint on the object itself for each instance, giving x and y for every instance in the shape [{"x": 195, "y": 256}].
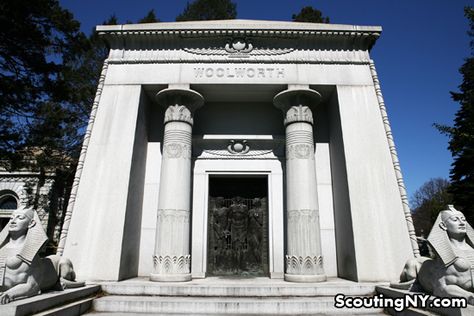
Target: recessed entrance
[{"x": 238, "y": 226}]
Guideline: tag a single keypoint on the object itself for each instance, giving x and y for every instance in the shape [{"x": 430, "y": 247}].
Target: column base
[
  {"x": 182, "y": 277},
  {"x": 305, "y": 278}
]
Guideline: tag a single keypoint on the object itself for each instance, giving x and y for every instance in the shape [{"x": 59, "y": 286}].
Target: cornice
[{"x": 119, "y": 35}]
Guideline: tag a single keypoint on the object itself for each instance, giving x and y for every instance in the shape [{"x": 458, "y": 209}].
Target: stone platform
[
  {"x": 212, "y": 296},
  {"x": 69, "y": 302}
]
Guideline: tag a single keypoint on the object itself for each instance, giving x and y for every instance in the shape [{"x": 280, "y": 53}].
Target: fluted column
[
  {"x": 304, "y": 261},
  {"x": 171, "y": 260}
]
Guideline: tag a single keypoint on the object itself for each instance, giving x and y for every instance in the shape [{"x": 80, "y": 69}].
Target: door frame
[{"x": 203, "y": 168}]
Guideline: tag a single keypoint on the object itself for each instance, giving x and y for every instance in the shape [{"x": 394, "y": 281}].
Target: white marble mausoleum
[{"x": 237, "y": 148}]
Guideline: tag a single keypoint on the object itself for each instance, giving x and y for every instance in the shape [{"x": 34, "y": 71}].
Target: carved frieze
[
  {"x": 240, "y": 48},
  {"x": 172, "y": 264},
  {"x": 169, "y": 216},
  {"x": 177, "y": 150},
  {"x": 304, "y": 265},
  {"x": 300, "y": 151},
  {"x": 304, "y": 215}
]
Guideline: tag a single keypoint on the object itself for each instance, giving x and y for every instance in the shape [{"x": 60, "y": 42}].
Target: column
[
  {"x": 171, "y": 260},
  {"x": 304, "y": 261}
]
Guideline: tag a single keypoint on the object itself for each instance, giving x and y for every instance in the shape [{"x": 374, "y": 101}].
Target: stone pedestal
[
  {"x": 171, "y": 260},
  {"x": 304, "y": 261}
]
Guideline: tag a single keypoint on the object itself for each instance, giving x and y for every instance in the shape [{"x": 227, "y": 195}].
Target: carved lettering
[
  {"x": 198, "y": 72},
  {"x": 220, "y": 72},
  {"x": 209, "y": 72},
  {"x": 241, "y": 72}
]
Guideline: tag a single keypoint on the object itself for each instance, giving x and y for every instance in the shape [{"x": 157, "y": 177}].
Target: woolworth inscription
[{"x": 239, "y": 72}]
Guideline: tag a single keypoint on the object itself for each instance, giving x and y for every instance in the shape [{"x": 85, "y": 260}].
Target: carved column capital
[
  {"x": 180, "y": 104},
  {"x": 298, "y": 113},
  {"x": 296, "y": 104}
]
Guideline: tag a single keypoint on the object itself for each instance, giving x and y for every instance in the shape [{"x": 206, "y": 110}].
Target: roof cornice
[{"x": 240, "y": 28}]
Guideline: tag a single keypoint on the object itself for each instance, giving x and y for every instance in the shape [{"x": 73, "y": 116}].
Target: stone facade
[
  {"x": 180, "y": 105},
  {"x": 18, "y": 187}
]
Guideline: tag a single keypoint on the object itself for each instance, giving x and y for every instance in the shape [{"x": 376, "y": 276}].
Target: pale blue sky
[{"x": 423, "y": 44}]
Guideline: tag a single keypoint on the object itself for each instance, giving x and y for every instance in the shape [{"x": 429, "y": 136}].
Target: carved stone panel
[{"x": 238, "y": 236}]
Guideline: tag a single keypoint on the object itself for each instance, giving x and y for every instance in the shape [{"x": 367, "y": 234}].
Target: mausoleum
[{"x": 239, "y": 148}]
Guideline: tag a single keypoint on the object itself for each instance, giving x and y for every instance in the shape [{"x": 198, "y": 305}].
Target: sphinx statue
[
  {"x": 450, "y": 272},
  {"x": 22, "y": 272}
]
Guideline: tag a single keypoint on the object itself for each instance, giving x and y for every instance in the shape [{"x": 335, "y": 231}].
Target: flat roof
[{"x": 238, "y": 25}]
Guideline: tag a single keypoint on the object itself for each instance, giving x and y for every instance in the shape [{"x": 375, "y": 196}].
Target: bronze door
[{"x": 238, "y": 236}]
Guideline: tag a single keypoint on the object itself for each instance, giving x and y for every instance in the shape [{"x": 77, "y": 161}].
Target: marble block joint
[
  {"x": 171, "y": 260},
  {"x": 304, "y": 260}
]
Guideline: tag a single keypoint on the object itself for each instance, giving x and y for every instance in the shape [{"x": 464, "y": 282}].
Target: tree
[
  {"x": 149, "y": 18},
  {"x": 431, "y": 198},
  {"x": 461, "y": 143},
  {"x": 35, "y": 36},
  {"x": 310, "y": 14},
  {"x": 208, "y": 10}
]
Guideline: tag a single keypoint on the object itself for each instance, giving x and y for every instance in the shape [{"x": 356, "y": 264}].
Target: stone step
[
  {"x": 73, "y": 300},
  {"x": 72, "y": 309},
  {"x": 252, "y": 287},
  {"x": 224, "y": 305}
]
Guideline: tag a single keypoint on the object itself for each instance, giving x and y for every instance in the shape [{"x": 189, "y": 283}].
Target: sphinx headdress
[{"x": 439, "y": 240}]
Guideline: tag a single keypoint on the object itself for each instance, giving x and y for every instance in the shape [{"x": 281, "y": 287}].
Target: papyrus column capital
[
  {"x": 180, "y": 103},
  {"x": 296, "y": 103}
]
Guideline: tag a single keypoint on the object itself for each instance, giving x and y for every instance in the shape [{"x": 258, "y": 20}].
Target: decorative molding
[
  {"x": 270, "y": 30},
  {"x": 177, "y": 150},
  {"x": 80, "y": 163},
  {"x": 238, "y": 45},
  {"x": 178, "y": 113},
  {"x": 172, "y": 264},
  {"x": 171, "y": 59},
  {"x": 305, "y": 215},
  {"x": 224, "y": 154},
  {"x": 304, "y": 265},
  {"x": 238, "y": 147},
  {"x": 299, "y": 113},
  {"x": 300, "y": 151},
  {"x": 239, "y": 48},
  {"x": 395, "y": 161},
  {"x": 173, "y": 216}
]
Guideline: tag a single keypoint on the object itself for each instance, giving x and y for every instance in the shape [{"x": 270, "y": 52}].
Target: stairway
[{"x": 217, "y": 296}]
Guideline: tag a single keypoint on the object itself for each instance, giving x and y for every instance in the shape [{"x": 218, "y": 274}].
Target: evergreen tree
[
  {"x": 431, "y": 198},
  {"x": 149, "y": 18},
  {"x": 310, "y": 14},
  {"x": 461, "y": 143},
  {"x": 35, "y": 36},
  {"x": 208, "y": 10}
]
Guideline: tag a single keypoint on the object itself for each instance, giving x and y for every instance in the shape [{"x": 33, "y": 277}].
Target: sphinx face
[
  {"x": 19, "y": 223},
  {"x": 456, "y": 224}
]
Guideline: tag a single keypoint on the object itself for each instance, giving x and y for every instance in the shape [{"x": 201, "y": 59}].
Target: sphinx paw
[{"x": 5, "y": 298}]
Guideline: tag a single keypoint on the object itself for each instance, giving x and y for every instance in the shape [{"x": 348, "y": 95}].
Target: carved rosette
[
  {"x": 308, "y": 265},
  {"x": 172, "y": 264},
  {"x": 298, "y": 113}
]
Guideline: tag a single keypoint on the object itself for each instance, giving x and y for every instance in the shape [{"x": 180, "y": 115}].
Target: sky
[{"x": 423, "y": 44}]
